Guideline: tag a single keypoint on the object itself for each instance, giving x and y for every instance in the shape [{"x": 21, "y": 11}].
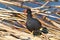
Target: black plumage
[{"x": 32, "y": 24}]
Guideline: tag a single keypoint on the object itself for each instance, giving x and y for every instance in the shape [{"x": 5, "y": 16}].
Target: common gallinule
[{"x": 32, "y": 24}]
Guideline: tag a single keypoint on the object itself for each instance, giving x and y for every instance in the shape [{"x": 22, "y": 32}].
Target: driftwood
[
  {"x": 21, "y": 29},
  {"x": 14, "y": 31},
  {"x": 54, "y": 23},
  {"x": 49, "y": 25},
  {"x": 48, "y": 15},
  {"x": 10, "y": 31},
  {"x": 57, "y": 6},
  {"x": 16, "y": 34},
  {"x": 58, "y": 13}
]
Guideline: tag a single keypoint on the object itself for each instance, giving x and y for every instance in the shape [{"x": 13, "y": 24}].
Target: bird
[{"x": 32, "y": 24}]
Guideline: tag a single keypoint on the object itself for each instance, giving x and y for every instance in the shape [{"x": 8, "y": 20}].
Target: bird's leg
[{"x": 32, "y": 32}]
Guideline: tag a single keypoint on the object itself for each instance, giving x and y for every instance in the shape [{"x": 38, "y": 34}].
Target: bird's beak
[{"x": 25, "y": 11}]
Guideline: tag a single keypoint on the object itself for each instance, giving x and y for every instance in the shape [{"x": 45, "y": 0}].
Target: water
[
  {"x": 17, "y": 8},
  {"x": 53, "y": 3},
  {"x": 3, "y": 6},
  {"x": 31, "y": 4},
  {"x": 14, "y": 7}
]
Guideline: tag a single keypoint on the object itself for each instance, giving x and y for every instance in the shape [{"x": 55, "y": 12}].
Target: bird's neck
[{"x": 29, "y": 16}]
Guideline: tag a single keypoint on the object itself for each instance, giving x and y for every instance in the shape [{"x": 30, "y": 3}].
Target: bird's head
[{"x": 27, "y": 11}]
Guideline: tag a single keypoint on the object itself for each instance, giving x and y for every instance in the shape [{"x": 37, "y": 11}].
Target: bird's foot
[{"x": 44, "y": 30}]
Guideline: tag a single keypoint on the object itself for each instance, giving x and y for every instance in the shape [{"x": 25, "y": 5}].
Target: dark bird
[{"x": 32, "y": 24}]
